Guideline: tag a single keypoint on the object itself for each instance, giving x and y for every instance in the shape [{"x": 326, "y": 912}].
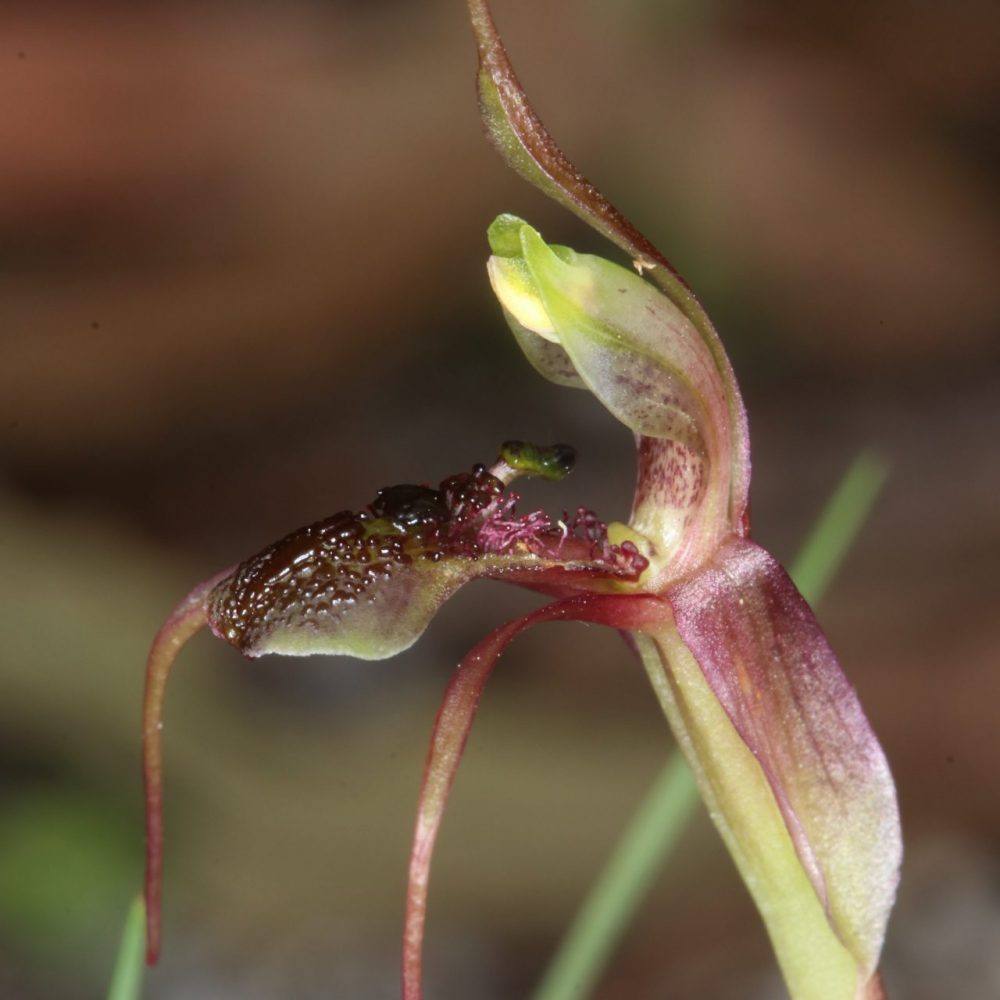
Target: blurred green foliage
[{"x": 67, "y": 864}]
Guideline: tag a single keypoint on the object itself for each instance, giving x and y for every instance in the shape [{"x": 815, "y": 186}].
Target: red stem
[
  {"x": 190, "y": 615},
  {"x": 451, "y": 731}
]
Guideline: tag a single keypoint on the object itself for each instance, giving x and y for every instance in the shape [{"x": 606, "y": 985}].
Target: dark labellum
[
  {"x": 314, "y": 576},
  {"x": 408, "y": 506},
  {"x": 321, "y": 579},
  {"x": 321, "y": 568}
]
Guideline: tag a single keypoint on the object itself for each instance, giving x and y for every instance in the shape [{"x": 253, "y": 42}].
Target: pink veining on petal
[
  {"x": 668, "y": 472},
  {"x": 451, "y": 731}
]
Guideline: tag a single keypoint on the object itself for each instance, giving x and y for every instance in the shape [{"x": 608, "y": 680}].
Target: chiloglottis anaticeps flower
[{"x": 784, "y": 757}]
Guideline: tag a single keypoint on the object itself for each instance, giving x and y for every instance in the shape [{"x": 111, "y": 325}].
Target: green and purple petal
[
  {"x": 584, "y": 320},
  {"x": 525, "y": 144},
  {"x": 788, "y": 764}
]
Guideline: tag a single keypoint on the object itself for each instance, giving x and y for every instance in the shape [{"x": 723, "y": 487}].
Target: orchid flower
[{"x": 788, "y": 766}]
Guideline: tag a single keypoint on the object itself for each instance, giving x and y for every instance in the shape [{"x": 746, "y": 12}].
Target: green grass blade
[
  {"x": 837, "y": 526},
  {"x": 647, "y": 842},
  {"x": 126, "y": 981},
  {"x": 601, "y": 921}
]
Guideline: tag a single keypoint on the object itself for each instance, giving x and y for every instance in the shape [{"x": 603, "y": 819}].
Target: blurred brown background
[{"x": 242, "y": 287}]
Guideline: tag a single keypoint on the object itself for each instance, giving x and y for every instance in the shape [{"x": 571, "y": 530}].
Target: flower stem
[{"x": 647, "y": 842}]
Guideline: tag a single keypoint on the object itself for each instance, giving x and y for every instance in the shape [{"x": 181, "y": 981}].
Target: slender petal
[
  {"x": 190, "y": 615},
  {"x": 451, "y": 731},
  {"x": 525, "y": 145},
  {"x": 788, "y": 764}
]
